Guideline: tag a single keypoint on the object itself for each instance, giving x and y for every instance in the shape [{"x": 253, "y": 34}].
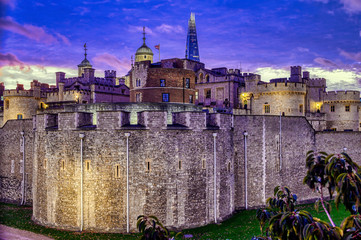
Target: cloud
[
  {"x": 351, "y": 6},
  {"x": 353, "y": 56},
  {"x": 301, "y": 49},
  {"x": 30, "y": 31},
  {"x": 140, "y": 29},
  {"x": 325, "y": 62},
  {"x": 81, "y": 11},
  {"x": 165, "y": 28},
  {"x": 112, "y": 61},
  {"x": 11, "y": 75},
  {"x": 10, "y": 59},
  {"x": 63, "y": 38},
  {"x": 11, "y": 3}
]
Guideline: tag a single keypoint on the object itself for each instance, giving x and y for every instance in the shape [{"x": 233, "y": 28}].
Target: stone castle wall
[
  {"x": 170, "y": 164},
  {"x": 177, "y": 187},
  {"x": 11, "y": 161}
]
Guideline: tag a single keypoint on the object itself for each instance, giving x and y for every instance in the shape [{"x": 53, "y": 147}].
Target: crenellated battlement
[
  {"x": 111, "y": 120},
  {"x": 342, "y": 96},
  {"x": 21, "y": 93},
  {"x": 281, "y": 87}
]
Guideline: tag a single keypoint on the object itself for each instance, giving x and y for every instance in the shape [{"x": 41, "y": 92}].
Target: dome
[
  {"x": 144, "y": 50},
  {"x": 85, "y": 63}
]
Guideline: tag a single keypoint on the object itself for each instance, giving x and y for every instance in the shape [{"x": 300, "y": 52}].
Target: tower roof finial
[
  {"x": 85, "y": 50},
  {"x": 143, "y": 35}
]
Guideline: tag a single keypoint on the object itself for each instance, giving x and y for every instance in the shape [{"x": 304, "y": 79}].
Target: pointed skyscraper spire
[{"x": 192, "y": 51}]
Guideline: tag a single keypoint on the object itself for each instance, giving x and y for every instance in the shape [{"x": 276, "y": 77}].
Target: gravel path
[{"x": 9, "y": 233}]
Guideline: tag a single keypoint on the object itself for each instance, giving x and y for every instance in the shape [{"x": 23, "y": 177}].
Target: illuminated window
[
  {"x": 162, "y": 82},
  {"x": 87, "y": 165},
  {"x": 332, "y": 108},
  {"x": 208, "y": 93},
  {"x": 196, "y": 95},
  {"x": 190, "y": 98},
  {"x": 333, "y": 129},
  {"x": 301, "y": 108},
  {"x": 347, "y": 108},
  {"x": 165, "y": 97},
  {"x": 19, "y": 116},
  {"x": 179, "y": 165},
  {"x": 117, "y": 171},
  {"x": 187, "y": 83},
  {"x": 203, "y": 164},
  {"x": 147, "y": 165},
  {"x": 138, "y": 97},
  {"x": 7, "y": 104},
  {"x": 267, "y": 108}
]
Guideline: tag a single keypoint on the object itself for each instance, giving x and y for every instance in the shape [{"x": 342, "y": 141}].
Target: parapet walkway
[{"x": 9, "y": 233}]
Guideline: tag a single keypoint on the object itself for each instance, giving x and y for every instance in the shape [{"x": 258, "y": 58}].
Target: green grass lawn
[{"x": 242, "y": 225}]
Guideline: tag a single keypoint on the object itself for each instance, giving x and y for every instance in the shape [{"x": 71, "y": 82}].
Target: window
[
  {"x": 145, "y": 56},
  {"x": 190, "y": 98},
  {"x": 45, "y": 163},
  {"x": 187, "y": 83},
  {"x": 333, "y": 129},
  {"x": 87, "y": 165},
  {"x": 332, "y": 108},
  {"x": 201, "y": 77},
  {"x": 347, "y": 108},
  {"x": 267, "y": 108},
  {"x": 229, "y": 167},
  {"x": 207, "y": 78},
  {"x": 12, "y": 166},
  {"x": 196, "y": 95},
  {"x": 162, "y": 82},
  {"x": 117, "y": 171},
  {"x": 203, "y": 164},
  {"x": 138, "y": 97},
  {"x": 137, "y": 83},
  {"x": 196, "y": 80},
  {"x": 179, "y": 165},
  {"x": 62, "y": 166},
  {"x": 19, "y": 116},
  {"x": 7, "y": 104},
  {"x": 148, "y": 165},
  {"x": 165, "y": 97},
  {"x": 208, "y": 93},
  {"x": 301, "y": 108}
]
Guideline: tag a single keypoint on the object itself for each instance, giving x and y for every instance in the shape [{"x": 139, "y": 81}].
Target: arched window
[
  {"x": 201, "y": 77},
  {"x": 207, "y": 78},
  {"x": 7, "y": 104},
  {"x": 19, "y": 116}
]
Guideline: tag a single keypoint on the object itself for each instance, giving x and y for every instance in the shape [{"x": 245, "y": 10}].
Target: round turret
[{"x": 144, "y": 53}]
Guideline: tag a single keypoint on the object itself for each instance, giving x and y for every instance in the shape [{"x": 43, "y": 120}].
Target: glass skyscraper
[{"x": 192, "y": 51}]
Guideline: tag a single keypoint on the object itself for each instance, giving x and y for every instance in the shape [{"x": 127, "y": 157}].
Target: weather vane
[{"x": 85, "y": 50}]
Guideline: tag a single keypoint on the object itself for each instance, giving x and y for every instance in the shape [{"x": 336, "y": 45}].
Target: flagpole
[{"x": 159, "y": 52}]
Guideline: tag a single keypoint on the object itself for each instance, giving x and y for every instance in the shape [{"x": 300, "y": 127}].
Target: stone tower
[
  {"x": 144, "y": 53},
  {"x": 192, "y": 51},
  {"x": 84, "y": 64}
]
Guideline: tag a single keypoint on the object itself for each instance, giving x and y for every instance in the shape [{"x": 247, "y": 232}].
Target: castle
[{"x": 96, "y": 163}]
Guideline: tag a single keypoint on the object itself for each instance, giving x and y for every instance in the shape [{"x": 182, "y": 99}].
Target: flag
[{"x": 157, "y": 46}]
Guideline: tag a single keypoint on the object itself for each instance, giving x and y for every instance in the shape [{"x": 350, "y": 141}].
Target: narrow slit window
[
  {"x": 117, "y": 171},
  {"x": 62, "y": 165},
  {"x": 148, "y": 167},
  {"x": 87, "y": 165},
  {"x": 179, "y": 165},
  {"x": 45, "y": 163},
  {"x": 203, "y": 164}
]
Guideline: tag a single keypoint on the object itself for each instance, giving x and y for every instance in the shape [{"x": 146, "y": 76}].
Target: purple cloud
[
  {"x": 325, "y": 62},
  {"x": 32, "y": 32},
  {"x": 113, "y": 61},
  {"x": 351, "y": 6},
  {"x": 165, "y": 28},
  {"x": 352, "y": 56},
  {"x": 11, "y": 3},
  {"x": 10, "y": 59}
]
